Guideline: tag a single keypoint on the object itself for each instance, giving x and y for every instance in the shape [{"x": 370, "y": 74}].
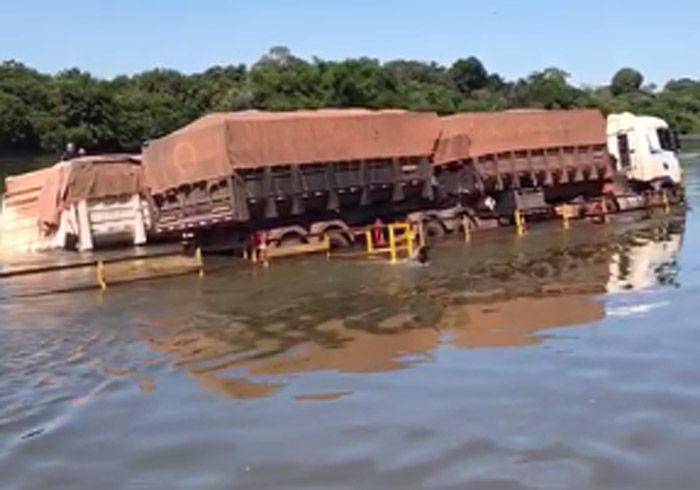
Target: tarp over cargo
[
  {"x": 102, "y": 177},
  {"x": 471, "y": 135},
  {"x": 212, "y": 146},
  {"x": 34, "y": 202},
  {"x": 91, "y": 177}
]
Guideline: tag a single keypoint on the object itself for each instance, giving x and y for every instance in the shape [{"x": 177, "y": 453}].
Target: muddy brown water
[{"x": 561, "y": 360}]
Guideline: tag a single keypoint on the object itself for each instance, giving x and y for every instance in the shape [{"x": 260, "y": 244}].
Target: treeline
[{"x": 42, "y": 112}]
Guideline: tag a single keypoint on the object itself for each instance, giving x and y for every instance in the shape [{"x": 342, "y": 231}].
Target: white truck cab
[{"x": 644, "y": 149}]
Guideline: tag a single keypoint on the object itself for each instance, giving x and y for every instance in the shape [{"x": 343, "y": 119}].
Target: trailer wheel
[
  {"x": 434, "y": 229},
  {"x": 291, "y": 239},
  {"x": 338, "y": 239}
]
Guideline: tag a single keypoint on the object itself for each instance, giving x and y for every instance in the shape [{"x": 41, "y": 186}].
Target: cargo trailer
[{"x": 299, "y": 175}]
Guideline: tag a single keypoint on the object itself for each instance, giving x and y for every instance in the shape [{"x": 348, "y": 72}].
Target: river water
[{"x": 560, "y": 360}]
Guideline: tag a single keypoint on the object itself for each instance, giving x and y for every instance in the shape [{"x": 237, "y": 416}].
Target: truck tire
[
  {"x": 434, "y": 229},
  {"x": 291, "y": 239},
  {"x": 338, "y": 239}
]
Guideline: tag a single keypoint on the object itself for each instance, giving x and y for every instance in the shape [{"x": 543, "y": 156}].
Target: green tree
[
  {"x": 41, "y": 111},
  {"x": 281, "y": 81},
  {"x": 80, "y": 109},
  {"x": 547, "y": 89},
  {"x": 469, "y": 74},
  {"x": 15, "y": 128},
  {"x": 360, "y": 83},
  {"x": 625, "y": 81}
]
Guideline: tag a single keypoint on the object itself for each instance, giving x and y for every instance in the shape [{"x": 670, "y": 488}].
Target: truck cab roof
[{"x": 627, "y": 120}]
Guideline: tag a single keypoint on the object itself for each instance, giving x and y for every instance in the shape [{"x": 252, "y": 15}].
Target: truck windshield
[{"x": 667, "y": 141}]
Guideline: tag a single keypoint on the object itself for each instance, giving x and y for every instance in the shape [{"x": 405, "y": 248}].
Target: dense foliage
[{"x": 40, "y": 111}]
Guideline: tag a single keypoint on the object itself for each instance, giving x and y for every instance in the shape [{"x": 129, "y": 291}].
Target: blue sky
[{"x": 590, "y": 39}]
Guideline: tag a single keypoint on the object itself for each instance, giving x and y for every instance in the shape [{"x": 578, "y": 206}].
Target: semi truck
[
  {"x": 644, "y": 150},
  {"x": 298, "y": 176}
]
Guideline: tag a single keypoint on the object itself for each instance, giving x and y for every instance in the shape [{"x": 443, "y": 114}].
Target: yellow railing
[
  {"x": 566, "y": 212},
  {"x": 401, "y": 239},
  {"x": 131, "y": 269}
]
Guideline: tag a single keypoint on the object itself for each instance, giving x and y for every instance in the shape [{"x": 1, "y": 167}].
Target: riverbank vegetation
[{"x": 39, "y": 111}]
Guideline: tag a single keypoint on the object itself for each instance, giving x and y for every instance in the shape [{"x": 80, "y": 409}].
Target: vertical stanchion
[
  {"x": 368, "y": 241},
  {"x": 519, "y": 222},
  {"x": 422, "y": 239},
  {"x": 566, "y": 216},
  {"x": 409, "y": 239},
  {"x": 200, "y": 261},
  {"x": 85, "y": 241},
  {"x": 467, "y": 229},
  {"x": 392, "y": 244},
  {"x": 100, "y": 273},
  {"x": 664, "y": 198},
  {"x": 264, "y": 257}
]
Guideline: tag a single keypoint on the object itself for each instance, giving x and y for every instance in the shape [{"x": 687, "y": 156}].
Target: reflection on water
[
  {"x": 389, "y": 325},
  {"x": 650, "y": 260}
]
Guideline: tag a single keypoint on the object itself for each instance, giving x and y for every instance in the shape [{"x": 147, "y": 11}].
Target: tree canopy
[
  {"x": 40, "y": 111},
  {"x": 625, "y": 81}
]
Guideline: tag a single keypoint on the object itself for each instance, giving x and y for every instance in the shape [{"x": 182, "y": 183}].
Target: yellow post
[
  {"x": 200, "y": 261},
  {"x": 519, "y": 222},
  {"x": 368, "y": 241},
  {"x": 100, "y": 273},
  {"x": 264, "y": 257},
  {"x": 392, "y": 244},
  {"x": 409, "y": 240},
  {"x": 467, "y": 229},
  {"x": 566, "y": 215},
  {"x": 664, "y": 198}
]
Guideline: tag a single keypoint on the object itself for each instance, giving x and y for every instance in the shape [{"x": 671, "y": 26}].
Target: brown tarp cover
[
  {"x": 102, "y": 177},
  {"x": 211, "y": 146},
  {"x": 481, "y": 133},
  {"x": 91, "y": 177}
]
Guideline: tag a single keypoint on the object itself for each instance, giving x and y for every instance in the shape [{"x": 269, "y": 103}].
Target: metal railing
[{"x": 400, "y": 240}]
